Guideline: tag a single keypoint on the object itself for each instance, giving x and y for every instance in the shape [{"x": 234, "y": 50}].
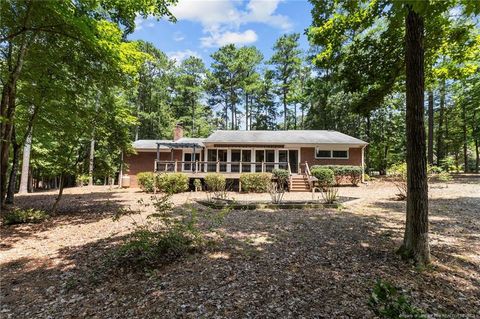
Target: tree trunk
[
  {"x": 13, "y": 172},
  {"x": 440, "y": 132},
  {"x": 415, "y": 243},
  {"x": 60, "y": 192},
  {"x": 465, "y": 145},
  {"x": 246, "y": 112},
  {"x": 7, "y": 102},
  {"x": 27, "y": 147},
  {"x": 430, "y": 127},
  {"x": 477, "y": 156},
  {"x": 285, "y": 122},
  {"x": 90, "y": 162}
]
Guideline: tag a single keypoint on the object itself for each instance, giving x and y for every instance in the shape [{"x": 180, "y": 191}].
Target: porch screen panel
[
  {"x": 246, "y": 158},
  {"x": 282, "y": 158},
  {"x": 269, "y": 158},
  {"x": 187, "y": 166},
  {"x": 236, "y": 157},
  {"x": 212, "y": 157},
  {"x": 222, "y": 157},
  {"x": 259, "y": 158}
]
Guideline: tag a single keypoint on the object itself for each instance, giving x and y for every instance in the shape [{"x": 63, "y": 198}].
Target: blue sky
[{"x": 205, "y": 25}]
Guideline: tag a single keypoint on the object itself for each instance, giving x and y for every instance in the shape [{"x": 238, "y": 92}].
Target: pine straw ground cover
[{"x": 311, "y": 263}]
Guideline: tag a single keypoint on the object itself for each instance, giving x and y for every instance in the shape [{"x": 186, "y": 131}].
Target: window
[
  {"x": 340, "y": 154},
  {"x": 323, "y": 153},
  {"x": 319, "y": 153}
]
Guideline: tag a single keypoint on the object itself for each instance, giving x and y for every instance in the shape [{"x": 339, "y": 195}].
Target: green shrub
[
  {"x": 172, "y": 183},
  {"x": 325, "y": 176},
  {"x": 432, "y": 169},
  {"x": 387, "y": 302},
  {"x": 215, "y": 182},
  {"x": 146, "y": 181},
  {"x": 444, "y": 177},
  {"x": 83, "y": 179},
  {"x": 354, "y": 173},
  {"x": 255, "y": 182},
  {"x": 282, "y": 177},
  {"x": 330, "y": 195},
  {"x": 22, "y": 216},
  {"x": 167, "y": 236},
  {"x": 197, "y": 184},
  {"x": 398, "y": 174}
]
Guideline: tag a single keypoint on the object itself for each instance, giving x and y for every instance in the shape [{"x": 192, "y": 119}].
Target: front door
[{"x": 293, "y": 160}]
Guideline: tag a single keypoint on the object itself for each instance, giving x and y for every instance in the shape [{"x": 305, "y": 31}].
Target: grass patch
[{"x": 388, "y": 302}]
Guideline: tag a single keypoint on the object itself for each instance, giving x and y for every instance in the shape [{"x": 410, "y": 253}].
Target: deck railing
[
  {"x": 307, "y": 175},
  {"x": 220, "y": 167}
]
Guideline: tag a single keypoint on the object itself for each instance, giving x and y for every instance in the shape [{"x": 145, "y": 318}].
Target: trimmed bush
[
  {"x": 255, "y": 182},
  {"x": 325, "y": 176},
  {"x": 353, "y": 173},
  {"x": 146, "y": 181},
  {"x": 23, "y": 216},
  {"x": 172, "y": 183},
  {"x": 282, "y": 176},
  {"x": 215, "y": 182}
]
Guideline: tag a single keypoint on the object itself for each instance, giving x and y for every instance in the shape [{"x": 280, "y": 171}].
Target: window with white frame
[{"x": 321, "y": 153}]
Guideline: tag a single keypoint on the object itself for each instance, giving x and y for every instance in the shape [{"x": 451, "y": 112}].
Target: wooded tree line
[{"x": 74, "y": 88}]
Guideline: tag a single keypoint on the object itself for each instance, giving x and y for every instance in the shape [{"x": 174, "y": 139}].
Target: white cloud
[
  {"x": 178, "y": 36},
  {"x": 218, "y": 39},
  {"x": 222, "y": 19},
  {"x": 179, "y": 56},
  {"x": 140, "y": 22}
]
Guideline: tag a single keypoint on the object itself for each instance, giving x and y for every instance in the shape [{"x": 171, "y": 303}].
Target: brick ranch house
[{"x": 235, "y": 152}]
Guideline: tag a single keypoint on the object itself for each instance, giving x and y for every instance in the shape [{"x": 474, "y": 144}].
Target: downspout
[{"x": 158, "y": 158}]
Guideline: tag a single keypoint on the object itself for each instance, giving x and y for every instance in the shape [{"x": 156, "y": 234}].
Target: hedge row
[
  {"x": 168, "y": 182},
  {"x": 340, "y": 172},
  {"x": 255, "y": 182}
]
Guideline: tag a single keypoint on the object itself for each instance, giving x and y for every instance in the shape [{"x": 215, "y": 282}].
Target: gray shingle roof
[
  {"x": 283, "y": 137},
  {"x": 149, "y": 144},
  {"x": 259, "y": 137}
]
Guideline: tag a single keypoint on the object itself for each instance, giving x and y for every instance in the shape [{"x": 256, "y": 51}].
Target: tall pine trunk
[
  {"x": 415, "y": 243},
  {"x": 440, "y": 131},
  {"x": 27, "y": 147},
  {"x": 285, "y": 121},
  {"x": 12, "y": 181},
  {"x": 430, "y": 127},
  {"x": 60, "y": 192},
  {"x": 247, "y": 110},
  {"x": 465, "y": 142}
]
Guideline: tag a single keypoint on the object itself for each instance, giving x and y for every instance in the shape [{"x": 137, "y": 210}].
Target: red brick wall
[
  {"x": 144, "y": 161},
  {"x": 308, "y": 154}
]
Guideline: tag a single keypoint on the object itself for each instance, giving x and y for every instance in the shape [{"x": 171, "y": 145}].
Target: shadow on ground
[{"x": 311, "y": 263}]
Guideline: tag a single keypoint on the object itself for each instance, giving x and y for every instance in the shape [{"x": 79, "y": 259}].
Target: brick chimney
[{"x": 178, "y": 132}]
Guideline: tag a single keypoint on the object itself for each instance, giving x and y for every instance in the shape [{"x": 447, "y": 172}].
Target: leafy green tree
[
  {"x": 264, "y": 108},
  {"x": 286, "y": 61},
  {"x": 225, "y": 83},
  {"x": 345, "y": 28},
  {"x": 249, "y": 60},
  {"x": 93, "y": 26}
]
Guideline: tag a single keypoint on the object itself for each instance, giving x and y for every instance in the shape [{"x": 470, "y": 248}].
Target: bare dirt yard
[{"x": 267, "y": 264}]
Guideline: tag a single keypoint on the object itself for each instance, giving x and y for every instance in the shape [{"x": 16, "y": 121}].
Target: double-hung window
[{"x": 322, "y": 153}]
